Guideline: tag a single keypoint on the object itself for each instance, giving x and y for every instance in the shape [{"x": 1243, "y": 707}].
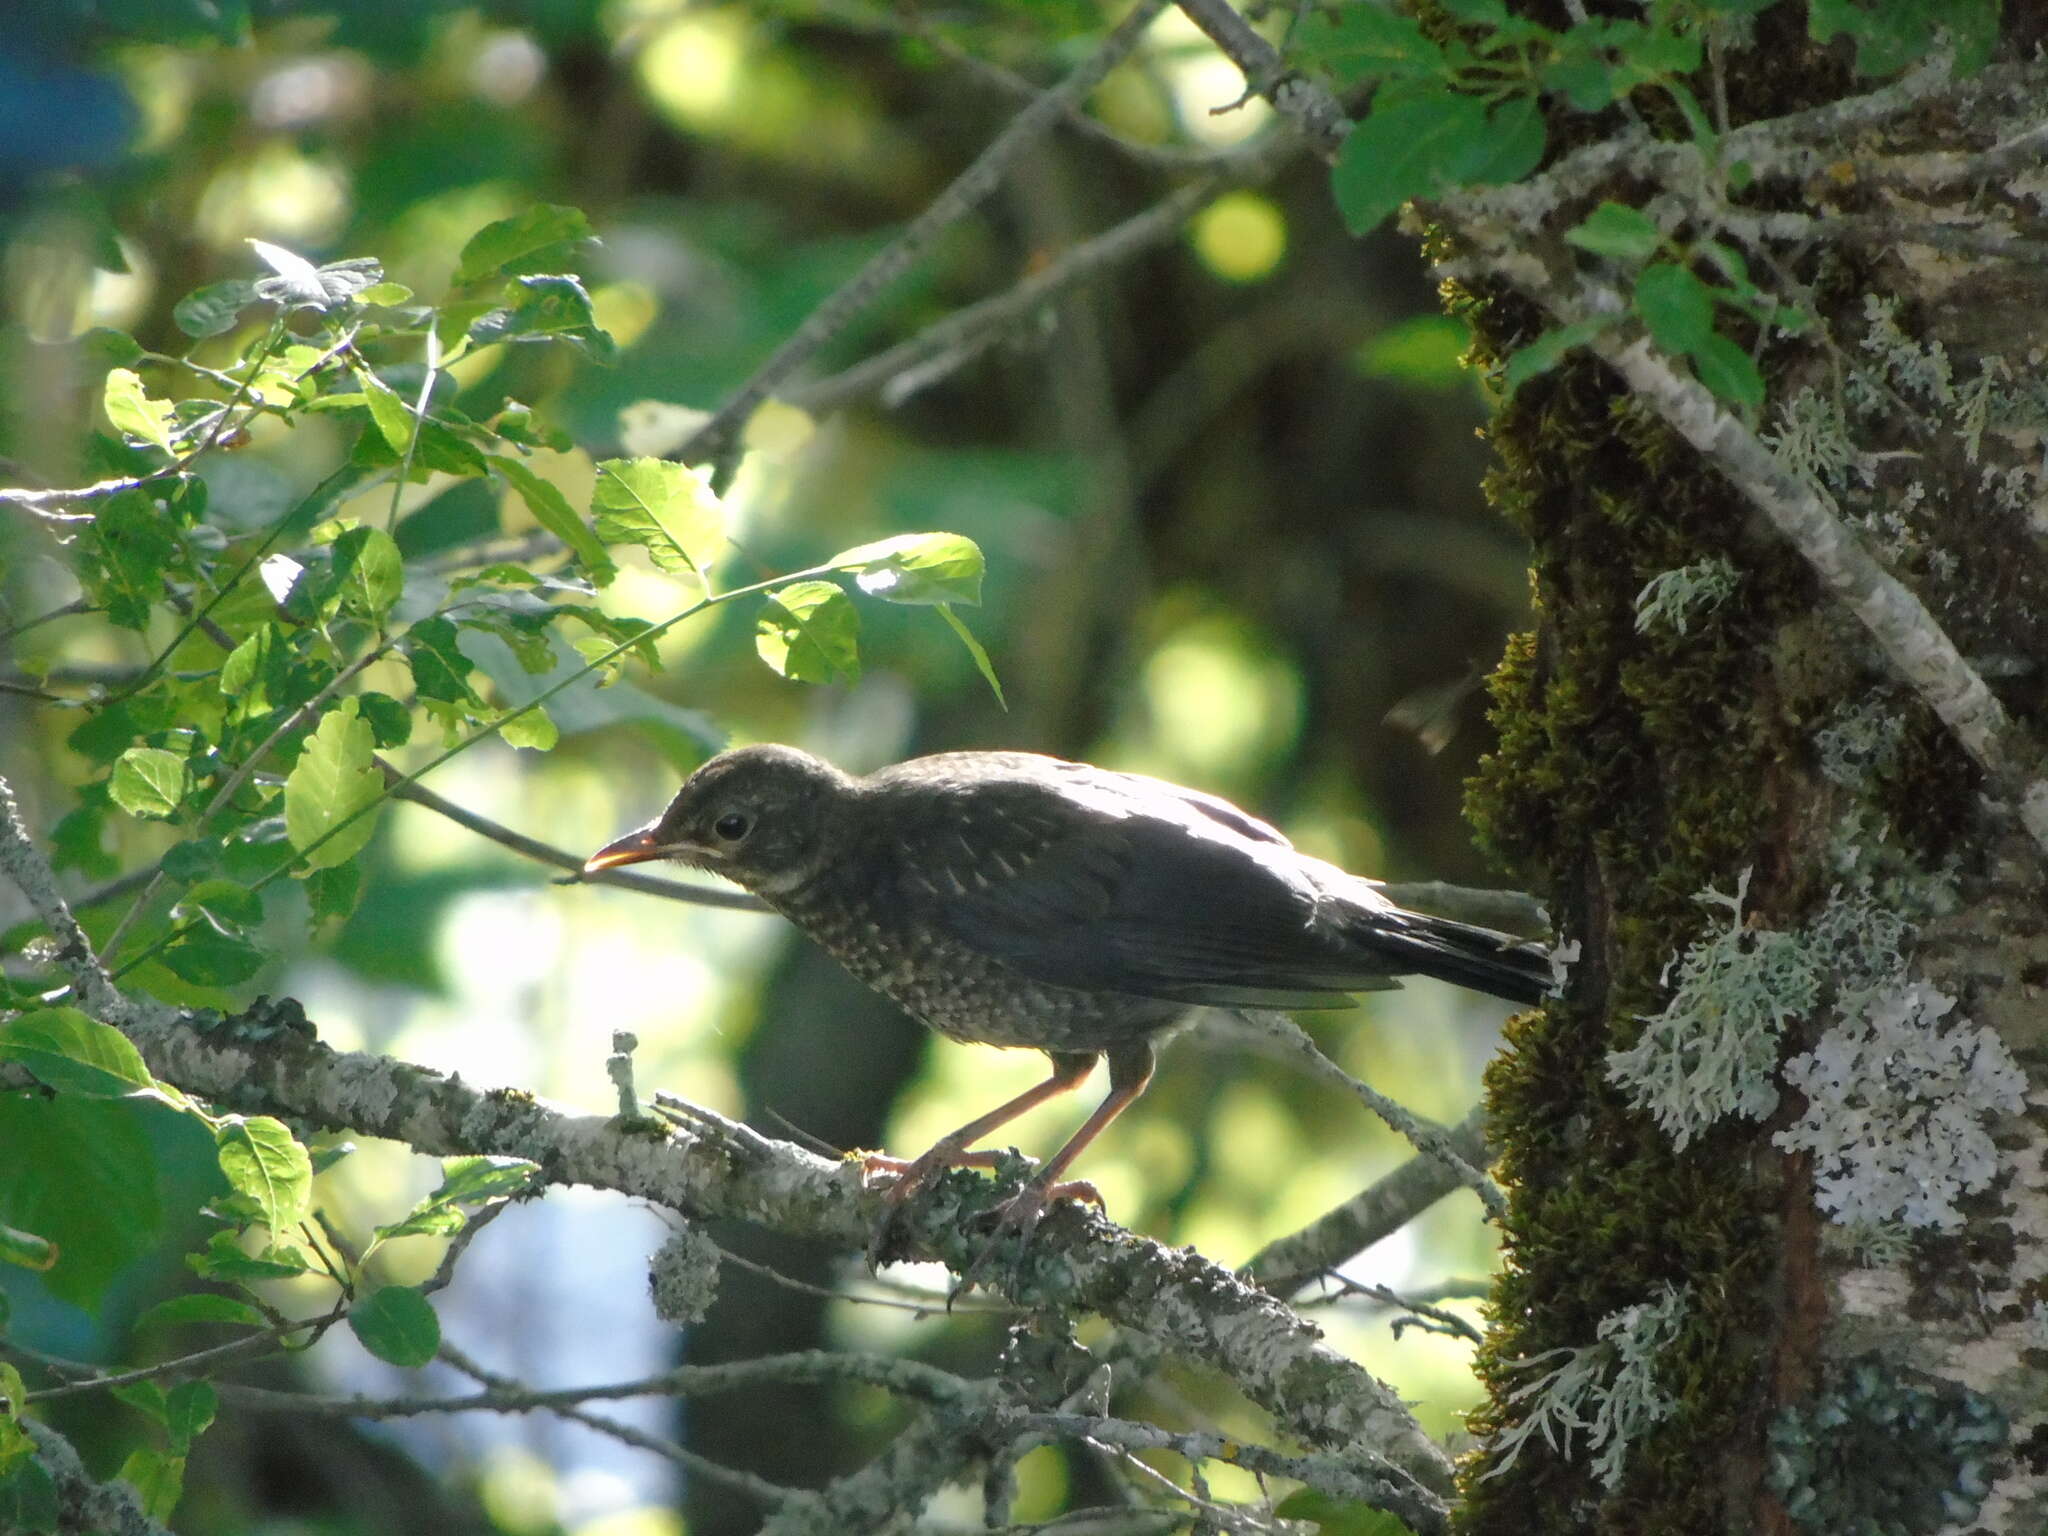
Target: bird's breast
[{"x": 899, "y": 944}]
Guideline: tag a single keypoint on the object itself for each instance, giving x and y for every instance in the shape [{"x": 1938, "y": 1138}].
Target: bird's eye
[{"x": 732, "y": 826}]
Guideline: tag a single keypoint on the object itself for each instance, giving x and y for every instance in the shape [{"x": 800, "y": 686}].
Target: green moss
[{"x": 1633, "y": 770}]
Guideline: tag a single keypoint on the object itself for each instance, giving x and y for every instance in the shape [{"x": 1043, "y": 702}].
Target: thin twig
[
  {"x": 718, "y": 438},
  {"x": 403, "y": 788}
]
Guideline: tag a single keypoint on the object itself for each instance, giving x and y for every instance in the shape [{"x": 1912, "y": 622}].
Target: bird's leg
[
  {"x": 951, "y": 1151},
  {"x": 1130, "y": 1069}
]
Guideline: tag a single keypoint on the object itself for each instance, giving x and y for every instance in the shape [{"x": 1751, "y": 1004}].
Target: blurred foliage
[{"x": 503, "y": 254}]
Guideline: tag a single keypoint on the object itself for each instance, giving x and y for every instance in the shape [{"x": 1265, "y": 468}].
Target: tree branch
[
  {"x": 718, "y": 438},
  {"x": 1074, "y": 1259},
  {"x": 1287, "y": 1264}
]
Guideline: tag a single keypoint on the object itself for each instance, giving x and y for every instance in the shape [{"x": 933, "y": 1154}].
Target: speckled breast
[{"x": 900, "y": 950}]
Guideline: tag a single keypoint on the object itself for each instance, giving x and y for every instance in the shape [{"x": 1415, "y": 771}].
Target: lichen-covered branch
[{"x": 1076, "y": 1259}]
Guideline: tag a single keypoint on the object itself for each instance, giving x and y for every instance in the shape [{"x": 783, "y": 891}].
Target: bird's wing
[{"x": 1098, "y": 885}]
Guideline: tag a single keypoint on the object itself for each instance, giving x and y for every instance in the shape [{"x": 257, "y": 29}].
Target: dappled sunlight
[
  {"x": 1218, "y": 705},
  {"x": 275, "y": 193}
]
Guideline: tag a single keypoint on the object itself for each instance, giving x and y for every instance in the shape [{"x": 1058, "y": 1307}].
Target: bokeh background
[{"x": 1230, "y": 496}]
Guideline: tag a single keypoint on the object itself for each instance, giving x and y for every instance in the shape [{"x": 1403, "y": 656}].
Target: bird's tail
[{"x": 1464, "y": 954}]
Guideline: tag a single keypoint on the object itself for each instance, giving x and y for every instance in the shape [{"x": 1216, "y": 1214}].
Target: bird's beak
[{"x": 636, "y": 847}]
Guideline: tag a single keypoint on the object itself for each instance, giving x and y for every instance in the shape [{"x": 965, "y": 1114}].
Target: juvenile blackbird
[{"x": 1019, "y": 900}]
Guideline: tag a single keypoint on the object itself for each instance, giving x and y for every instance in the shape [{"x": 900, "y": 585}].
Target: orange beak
[{"x": 636, "y": 847}]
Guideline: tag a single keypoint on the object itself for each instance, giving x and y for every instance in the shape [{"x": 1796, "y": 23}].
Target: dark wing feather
[{"x": 1101, "y": 881}]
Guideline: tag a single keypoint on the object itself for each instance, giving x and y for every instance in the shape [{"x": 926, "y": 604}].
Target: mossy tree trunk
[{"x": 1774, "y": 1184}]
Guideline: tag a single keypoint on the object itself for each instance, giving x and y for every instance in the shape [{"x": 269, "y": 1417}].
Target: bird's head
[{"x": 755, "y": 815}]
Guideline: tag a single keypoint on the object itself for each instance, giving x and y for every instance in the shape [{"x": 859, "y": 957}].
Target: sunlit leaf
[
  {"x": 72, "y": 1053},
  {"x": 329, "y": 798},
  {"x": 369, "y": 571},
  {"x": 531, "y": 727},
  {"x": 158, "y": 1477},
  {"x": 497, "y": 247},
  {"x": 809, "y": 631},
  {"x": 916, "y": 568},
  {"x": 149, "y": 781},
  {"x": 264, "y": 1161},
  {"x": 394, "y": 418},
  {"x": 552, "y": 511},
  {"x": 130, "y": 409},
  {"x": 982, "y": 664},
  {"x": 668, "y": 509}
]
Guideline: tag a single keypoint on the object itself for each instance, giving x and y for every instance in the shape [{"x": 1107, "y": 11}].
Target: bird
[{"x": 1013, "y": 899}]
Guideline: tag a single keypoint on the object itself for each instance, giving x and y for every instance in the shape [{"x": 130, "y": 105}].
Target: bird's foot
[{"x": 902, "y": 1177}]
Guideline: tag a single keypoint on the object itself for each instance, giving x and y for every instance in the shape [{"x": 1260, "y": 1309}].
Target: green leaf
[
  {"x": 1407, "y": 148},
  {"x": 495, "y": 248},
  {"x": 194, "y": 859},
  {"x": 158, "y": 1477},
  {"x": 206, "y": 957},
  {"x": 334, "y": 892},
  {"x": 213, "y": 309},
  {"x": 551, "y": 509},
  {"x": 370, "y": 572},
  {"x": 394, "y": 418},
  {"x": 384, "y": 295},
  {"x": 549, "y": 308},
  {"x": 1339, "y": 1517},
  {"x": 331, "y": 795},
  {"x": 228, "y": 904},
  {"x": 1544, "y": 353},
  {"x": 189, "y": 1408},
  {"x": 981, "y": 662},
  {"x": 1423, "y": 352},
  {"x": 200, "y": 1307},
  {"x": 478, "y": 1180},
  {"x": 263, "y": 1160},
  {"x": 149, "y": 781},
  {"x": 396, "y": 1324},
  {"x": 390, "y": 721},
  {"x": 1896, "y": 34},
  {"x": 224, "y": 1260},
  {"x": 82, "y": 1173},
  {"x": 531, "y": 727},
  {"x": 130, "y": 409},
  {"x": 916, "y": 568},
  {"x": 438, "y": 664},
  {"x": 28, "y": 1496},
  {"x": 1676, "y": 306},
  {"x": 25, "y": 1250},
  {"x": 809, "y": 631},
  {"x": 1618, "y": 231},
  {"x": 1365, "y": 42},
  {"x": 1510, "y": 148},
  {"x": 667, "y": 508},
  {"x": 256, "y": 670},
  {"x": 72, "y": 1053},
  {"x": 1726, "y": 369}
]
